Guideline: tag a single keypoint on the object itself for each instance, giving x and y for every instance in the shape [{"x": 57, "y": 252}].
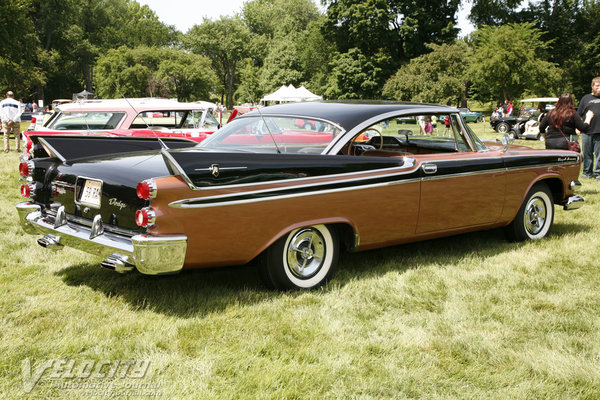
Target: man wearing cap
[{"x": 10, "y": 115}]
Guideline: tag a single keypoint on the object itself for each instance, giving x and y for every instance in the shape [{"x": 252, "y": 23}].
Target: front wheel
[
  {"x": 535, "y": 217},
  {"x": 303, "y": 259}
]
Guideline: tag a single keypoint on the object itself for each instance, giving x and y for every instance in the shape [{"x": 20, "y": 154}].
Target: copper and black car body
[{"x": 263, "y": 188}]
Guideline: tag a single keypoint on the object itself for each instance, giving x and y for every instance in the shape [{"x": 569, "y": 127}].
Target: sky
[{"x": 186, "y": 13}]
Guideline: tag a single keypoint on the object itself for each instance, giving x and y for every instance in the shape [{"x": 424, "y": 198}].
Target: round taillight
[
  {"x": 26, "y": 168},
  {"x": 33, "y": 119},
  {"x": 145, "y": 217},
  {"x": 26, "y": 190},
  {"x": 146, "y": 189}
]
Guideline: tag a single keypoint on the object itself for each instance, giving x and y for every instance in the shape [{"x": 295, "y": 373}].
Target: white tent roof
[{"x": 291, "y": 94}]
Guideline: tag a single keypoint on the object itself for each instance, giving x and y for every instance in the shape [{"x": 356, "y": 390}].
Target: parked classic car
[
  {"x": 293, "y": 198},
  {"x": 120, "y": 116},
  {"x": 470, "y": 116},
  {"x": 515, "y": 126}
]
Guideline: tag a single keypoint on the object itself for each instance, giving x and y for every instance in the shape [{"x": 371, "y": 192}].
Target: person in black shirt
[
  {"x": 562, "y": 122},
  {"x": 591, "y": 138}
]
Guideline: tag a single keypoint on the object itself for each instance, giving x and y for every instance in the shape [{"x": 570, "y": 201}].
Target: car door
[{"x": 460, "y": 189}]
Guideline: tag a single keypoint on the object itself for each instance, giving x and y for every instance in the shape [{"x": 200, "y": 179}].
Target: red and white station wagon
[{"x": 132, "y": 117}]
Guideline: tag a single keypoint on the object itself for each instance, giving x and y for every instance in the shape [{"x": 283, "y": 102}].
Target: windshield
[
  {"x": 66, "y": 121},
  {"x": 274, "y": 134},
  {"x": 478, "y": 143}
]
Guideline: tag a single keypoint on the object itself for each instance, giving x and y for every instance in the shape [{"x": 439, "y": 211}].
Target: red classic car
[
  {"x": 293, "y": 198},
  {"x": 130, "y": 117}
]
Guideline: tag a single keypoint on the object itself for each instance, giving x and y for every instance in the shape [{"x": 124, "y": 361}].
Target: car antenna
[
  {"x": 87, "y": 126},
  {"x": 264, "y": 122},
  {"x": 162, "y": 144}
]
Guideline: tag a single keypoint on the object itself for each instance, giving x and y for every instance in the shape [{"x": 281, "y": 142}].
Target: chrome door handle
[{"x": 429, "y": 168}]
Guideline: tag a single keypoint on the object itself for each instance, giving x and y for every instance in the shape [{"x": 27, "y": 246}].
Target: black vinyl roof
[{"x": 348, "y": 114}]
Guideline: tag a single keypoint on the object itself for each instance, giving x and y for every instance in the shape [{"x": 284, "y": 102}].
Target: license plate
[{"x": 91, "y": 193}]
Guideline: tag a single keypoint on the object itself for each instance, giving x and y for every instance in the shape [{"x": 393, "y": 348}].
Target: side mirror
[{"x": 506, "y": 141}]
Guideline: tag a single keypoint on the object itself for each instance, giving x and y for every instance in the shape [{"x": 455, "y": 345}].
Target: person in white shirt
[{"x": 10, "y": 115}]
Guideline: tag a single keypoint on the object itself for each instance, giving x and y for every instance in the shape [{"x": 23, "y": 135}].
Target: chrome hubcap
[
  {"x": 306, "y": 252},
  {"x": 535, "y": 215}
]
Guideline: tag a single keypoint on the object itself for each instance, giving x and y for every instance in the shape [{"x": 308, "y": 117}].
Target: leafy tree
[
  {"x": 19, "y": 70},
  {"x": 273, "y": 18},
  {"x": 226, "y": 43},
  {"x": 315, "y": 54},
  {"x": 281, "y": 66},
  {"x": 248, "y": 91},
  {"x": 278, "y": 30},
  {"x": 381, "y": 35},
  {"x": 401, "y": 28},
  {"x": 71, "y": 34},
  {"x": 495, "y": 12},
  {"x": 506, "y": 63},
  {"x": 436, "y": 77},
  {"x": 187, "y": 75},
  {"x": 150, "y": 71},
  {"x": 356, "y": 76}
]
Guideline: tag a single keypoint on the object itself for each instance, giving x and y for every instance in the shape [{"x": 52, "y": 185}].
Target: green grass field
[{"x": 466, "y": 317}]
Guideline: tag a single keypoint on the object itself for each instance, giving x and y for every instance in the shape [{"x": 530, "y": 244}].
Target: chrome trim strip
[
  {"x": 408, "y": 163},
  {"x": 254, "y": 192},
  {"x": 185, "y": 203}
]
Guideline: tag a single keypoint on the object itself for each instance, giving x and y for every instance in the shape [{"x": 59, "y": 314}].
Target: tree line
[{"x": 355, "y": 49}]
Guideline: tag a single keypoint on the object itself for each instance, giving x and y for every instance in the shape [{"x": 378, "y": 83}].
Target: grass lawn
[{"x": 466, "y": 317}]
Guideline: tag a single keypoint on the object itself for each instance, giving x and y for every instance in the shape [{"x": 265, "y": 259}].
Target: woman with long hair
[{"x": 562, "y": 122}]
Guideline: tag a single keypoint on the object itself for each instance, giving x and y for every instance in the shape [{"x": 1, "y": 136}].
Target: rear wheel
[
  {"x": 535, "y": 217},
  {"x": 303, "y": 259}
]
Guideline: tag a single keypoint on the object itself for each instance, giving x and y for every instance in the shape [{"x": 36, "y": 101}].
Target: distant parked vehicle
[
  {"x": 470, "y": 116},
  {"x": 516, "y": 126},
  {"x": 131, "y": 117}
]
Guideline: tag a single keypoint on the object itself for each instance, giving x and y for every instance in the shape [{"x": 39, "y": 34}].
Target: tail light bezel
[
  {"x": 146, "y": 189},
  {"x": 27, "y": 190},
  {"x": 145, "y": 217},
  {"x": 26, "y": 168}
]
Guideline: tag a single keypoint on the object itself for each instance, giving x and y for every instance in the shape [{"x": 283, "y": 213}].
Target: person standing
[
  {"x": 591, "y": 139},
  {"x": 10, "y": 114},
  {"x": 562, "y": 122},
  {"x": 509, "y": 108}
]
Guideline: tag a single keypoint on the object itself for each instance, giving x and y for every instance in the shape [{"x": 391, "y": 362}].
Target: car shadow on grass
[{"x": 201, "y": 292}]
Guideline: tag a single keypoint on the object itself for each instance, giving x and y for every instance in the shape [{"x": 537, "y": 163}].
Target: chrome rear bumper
[
  {"x": 574, "y": 202},
  {"x": 151, "y": 255}
]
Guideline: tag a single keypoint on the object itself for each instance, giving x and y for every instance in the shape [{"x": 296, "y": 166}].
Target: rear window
[{"x": 82, "y": 121}]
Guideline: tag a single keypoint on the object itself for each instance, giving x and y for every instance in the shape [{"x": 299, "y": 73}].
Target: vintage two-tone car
[{"x": 263, "y": 188}]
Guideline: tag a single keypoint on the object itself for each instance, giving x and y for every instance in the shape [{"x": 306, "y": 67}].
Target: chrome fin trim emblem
[{"x": 215, "y": 169}]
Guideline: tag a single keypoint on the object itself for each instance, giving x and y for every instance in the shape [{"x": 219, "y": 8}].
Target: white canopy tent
[{"x": 291, "y": 94}]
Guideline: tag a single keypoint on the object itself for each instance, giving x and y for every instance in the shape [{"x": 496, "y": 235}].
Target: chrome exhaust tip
[
  {"x": 117, "y": 263},
  {"x": 50, "y": 242}
]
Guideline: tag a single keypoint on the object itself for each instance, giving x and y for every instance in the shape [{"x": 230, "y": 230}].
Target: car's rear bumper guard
[
  {"x": 574, "y": 202},
  {"x": 151, "y": 255}
]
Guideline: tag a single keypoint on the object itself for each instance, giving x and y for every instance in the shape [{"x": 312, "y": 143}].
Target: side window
[{"x": 410, "y": 134}]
